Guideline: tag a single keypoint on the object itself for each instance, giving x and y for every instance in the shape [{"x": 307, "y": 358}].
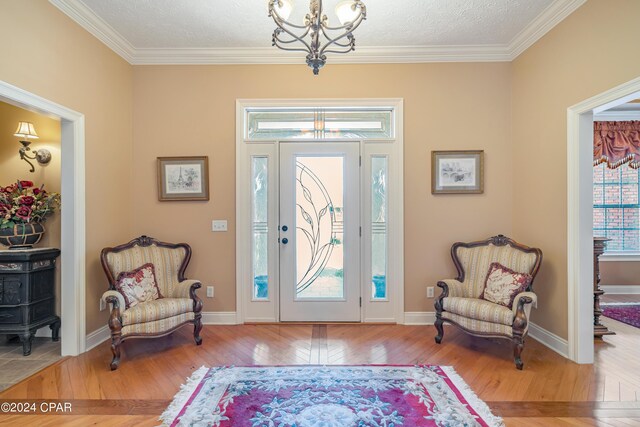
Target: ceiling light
[{"x": 315, "y": 36}]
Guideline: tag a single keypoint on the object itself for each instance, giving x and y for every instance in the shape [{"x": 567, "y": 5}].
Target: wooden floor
[{"x": 550, "y": 391}]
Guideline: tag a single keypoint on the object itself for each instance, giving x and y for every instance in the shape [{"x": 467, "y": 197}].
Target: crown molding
[
  {"x": 362, "y": 55},
  {"x": 98, "y": 27},
  {"x": 95, "y": 25},
  {"x": 549, "y": 18}
]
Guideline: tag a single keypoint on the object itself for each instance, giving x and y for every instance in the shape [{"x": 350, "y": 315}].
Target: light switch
[{"x": 219, "y": 225}]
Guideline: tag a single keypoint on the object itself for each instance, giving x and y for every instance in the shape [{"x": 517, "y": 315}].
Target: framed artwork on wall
[
  {"x": 183, "y": 178},
  {"x": 457, "y": 172}
]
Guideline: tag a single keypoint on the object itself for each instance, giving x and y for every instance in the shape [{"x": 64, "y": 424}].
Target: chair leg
[
  {"x": 116, "y": 340},
  {"x": 518, "y": 345},
  {"x": 440, "y": 329},
  {"x": 197, "y": 327}
]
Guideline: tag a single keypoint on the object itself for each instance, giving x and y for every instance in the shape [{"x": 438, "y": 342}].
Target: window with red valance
[{"x": 616, "y": 184}]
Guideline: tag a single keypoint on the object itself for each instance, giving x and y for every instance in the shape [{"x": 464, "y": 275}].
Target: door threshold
[{"x": 320, "y": 323}]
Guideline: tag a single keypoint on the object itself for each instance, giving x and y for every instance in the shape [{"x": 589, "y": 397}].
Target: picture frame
[
  {"x": 457, "y": 172},
  {"x": 183, "y": 178}
]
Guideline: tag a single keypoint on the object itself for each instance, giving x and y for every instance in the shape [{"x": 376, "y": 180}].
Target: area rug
[
  {"x": 327, "y": 396},
  {"x": 625, "y": 312}
]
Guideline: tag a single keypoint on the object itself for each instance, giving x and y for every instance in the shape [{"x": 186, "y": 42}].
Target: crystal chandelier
[{"x": 315, "y": 36}]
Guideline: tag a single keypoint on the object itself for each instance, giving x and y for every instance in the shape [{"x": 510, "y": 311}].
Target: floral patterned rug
[
  {"x": 327, "y": 396},
  {"x": 625, "y": 312}
]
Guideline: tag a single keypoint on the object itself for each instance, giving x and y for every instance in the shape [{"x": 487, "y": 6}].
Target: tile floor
[{"x": 14, "y": 367}]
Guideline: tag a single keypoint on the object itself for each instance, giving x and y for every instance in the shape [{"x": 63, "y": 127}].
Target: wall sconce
[{"x": 27, "y": 131}]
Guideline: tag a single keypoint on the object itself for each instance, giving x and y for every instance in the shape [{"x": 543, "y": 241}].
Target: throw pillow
[
  {"x": 138, "y": 285},
  {"x": 503, "y": 284}
]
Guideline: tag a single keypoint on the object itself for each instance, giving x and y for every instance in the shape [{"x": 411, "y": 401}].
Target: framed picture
[
  {"x": 183, "y": 178},
  {"x": 455, "y": 172}
]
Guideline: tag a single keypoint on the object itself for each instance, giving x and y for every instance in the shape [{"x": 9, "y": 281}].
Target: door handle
[
  {"x": 285, "y": 241},
  {"x": 285, "y": 228}
]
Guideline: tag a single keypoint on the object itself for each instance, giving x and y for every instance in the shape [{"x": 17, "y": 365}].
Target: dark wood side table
[
  {"x": 599, "y": 245},
  {"x": 27, "y": 293}
]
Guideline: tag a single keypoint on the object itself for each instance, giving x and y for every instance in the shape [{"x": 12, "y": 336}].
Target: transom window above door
[{"x": 319, "y": 123}]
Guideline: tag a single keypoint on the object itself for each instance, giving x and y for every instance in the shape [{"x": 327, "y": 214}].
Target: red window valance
[{"x": 616, "y": 143}]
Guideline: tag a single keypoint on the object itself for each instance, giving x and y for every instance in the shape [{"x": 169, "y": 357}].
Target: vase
[{"x": 21, "y": 236}]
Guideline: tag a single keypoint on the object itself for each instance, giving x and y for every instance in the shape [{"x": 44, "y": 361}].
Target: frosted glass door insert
[
  {"x": 259, "y": 210},
  {"x": 319, "y": 232},
  {"x": 319, "y": 227}
]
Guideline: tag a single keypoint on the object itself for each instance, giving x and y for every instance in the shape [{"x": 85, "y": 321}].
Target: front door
[{"x": 320, "y": 231}]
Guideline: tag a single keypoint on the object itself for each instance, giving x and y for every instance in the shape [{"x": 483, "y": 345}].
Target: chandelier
[{"x": 315, "y": 36}]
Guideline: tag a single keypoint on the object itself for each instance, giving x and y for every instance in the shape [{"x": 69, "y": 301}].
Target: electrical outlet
[
  {"x": 430, "y": 291},
  {"x": 103, "y": 304},
  {"x": 209, "y": 291},
  {"x": 219, "y": 225}
]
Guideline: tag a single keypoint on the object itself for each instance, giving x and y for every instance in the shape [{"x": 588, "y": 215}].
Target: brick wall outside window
[{"x": 616, "y": 209}]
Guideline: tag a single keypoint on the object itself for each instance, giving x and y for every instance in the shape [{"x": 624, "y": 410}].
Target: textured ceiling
[{"x": 244, "y": 23}]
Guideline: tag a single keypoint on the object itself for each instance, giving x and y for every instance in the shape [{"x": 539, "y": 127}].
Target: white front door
[{"x": 319, "y": 231}]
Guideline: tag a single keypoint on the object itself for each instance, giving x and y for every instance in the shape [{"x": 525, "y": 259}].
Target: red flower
[
  {"x": 36, "y": 191},
  {"x": 26, "y": 184},
  {"x": 23, "y": 212},
  {"x": 27, "y": 200}
]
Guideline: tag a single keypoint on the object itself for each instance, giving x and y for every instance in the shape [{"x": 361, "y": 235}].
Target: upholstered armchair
[
  {"x": 148, "y": 293},
  {"x": 492, "y": 295}
]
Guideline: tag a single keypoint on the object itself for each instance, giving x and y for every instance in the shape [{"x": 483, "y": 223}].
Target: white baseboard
[
  {"x": 549, "y": 339},
  {"x": 546, "y": 338},
  {"x": 419, "y": 317},
  {"x": 621, "y": 289},
  {"x": 44, "y": 333},
  {"x": 103, "y": 334},
  {"x": 219, "y": 318},
  {"x": 379, "y": 320},
  {"x": 97, "y": 337},
  {"x": 260, "y": 320}
]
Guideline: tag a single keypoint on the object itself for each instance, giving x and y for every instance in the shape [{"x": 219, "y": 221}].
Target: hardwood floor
[{"x": 550, "y": 391}]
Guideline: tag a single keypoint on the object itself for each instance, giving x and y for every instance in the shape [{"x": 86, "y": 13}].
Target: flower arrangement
[{"x": 22, "y": 203}]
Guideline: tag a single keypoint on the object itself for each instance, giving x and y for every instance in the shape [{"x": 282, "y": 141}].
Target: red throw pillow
[
  {"x": 503, "y": 284},
  {"x": 138, "y": 285}
]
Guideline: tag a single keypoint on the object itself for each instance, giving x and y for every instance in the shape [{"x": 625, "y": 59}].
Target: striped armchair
[
  {"x": 460, "y": 302},
  {"x": 179, "y": 305}
]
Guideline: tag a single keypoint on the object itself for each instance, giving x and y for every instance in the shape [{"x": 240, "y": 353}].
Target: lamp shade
[
  {"x": 26, "y": 130},
  {"x": 347, "y": 11},
  {"x": 285, "y": 10}
]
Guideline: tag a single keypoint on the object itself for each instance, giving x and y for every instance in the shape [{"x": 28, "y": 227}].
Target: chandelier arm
[
  {"x": 330, "y": 42},
  {"x": 337, "y": 43},
  {"x": 300, "y": 39},
  {"x": 280, "y": 22},
  {"x": 294, "y": 39}
]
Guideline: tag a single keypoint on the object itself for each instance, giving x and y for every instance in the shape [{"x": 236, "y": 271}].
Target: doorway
[
  {"x": 320, "y": 231},
  {"x": 72, "y": 266},
  {"x": 319, "y": 211},
  {"x": 580, "y": 214}
]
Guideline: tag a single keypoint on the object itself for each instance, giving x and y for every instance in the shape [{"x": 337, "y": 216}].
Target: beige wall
[
  {"x": 619, "y": 273},
  {"x": 515, "y": 112},
  {"x": 190, "y": 110},
  {"x": 12, "y": 168},
  {"x": 46, "y": 53},
  {"x": 591, "y": 51}
]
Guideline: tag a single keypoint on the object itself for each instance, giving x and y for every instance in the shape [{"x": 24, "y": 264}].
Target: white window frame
[{"x": 389, "y": 310}]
